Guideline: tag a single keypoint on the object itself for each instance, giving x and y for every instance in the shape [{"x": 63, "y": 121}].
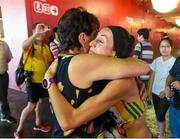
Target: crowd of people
[{"x": 92, "y": 89}]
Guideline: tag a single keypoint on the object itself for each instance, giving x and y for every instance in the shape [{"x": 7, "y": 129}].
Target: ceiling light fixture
[
  {"x": 178, "y": 22},
  {"x": 164, "y": 6}
]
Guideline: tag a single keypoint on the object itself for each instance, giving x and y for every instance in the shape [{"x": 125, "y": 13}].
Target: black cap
[{"x": 122, "y": 41}]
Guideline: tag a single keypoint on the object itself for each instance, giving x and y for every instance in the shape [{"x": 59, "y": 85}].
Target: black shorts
[
  {"x": 160, "y": 106},
  {"x": 36, "y": 91}
]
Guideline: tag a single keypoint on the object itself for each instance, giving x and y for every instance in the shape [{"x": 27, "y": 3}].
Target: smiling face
[
  {"x": 103, "y": 43},
  {"x": 165, "y": 48}
]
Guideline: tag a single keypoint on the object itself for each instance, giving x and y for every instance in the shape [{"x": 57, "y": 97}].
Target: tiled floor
[{"x": 18, "y": 101}]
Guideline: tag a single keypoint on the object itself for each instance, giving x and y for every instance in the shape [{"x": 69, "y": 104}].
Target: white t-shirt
[{"x": 161, "y": 69}]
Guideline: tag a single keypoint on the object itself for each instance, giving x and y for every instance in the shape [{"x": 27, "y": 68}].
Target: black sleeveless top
[{"x": 75, "y": 96}]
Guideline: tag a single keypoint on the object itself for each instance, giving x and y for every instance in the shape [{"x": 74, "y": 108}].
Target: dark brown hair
[{"x": 72, "y": 23}]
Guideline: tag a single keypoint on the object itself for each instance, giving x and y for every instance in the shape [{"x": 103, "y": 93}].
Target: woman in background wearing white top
[{"x": 160, "y": 70}]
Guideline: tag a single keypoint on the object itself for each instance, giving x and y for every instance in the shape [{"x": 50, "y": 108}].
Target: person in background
[
  {"x": 173, "y": 93},
  {"x": 160, "y": 70},
  {"x": 144, "y": 51},
  {"x": 54, "y": 43},
  {"x": 5, "y": 58},
  {"x": 38, "y": 57},
  {"x": 55, "y": 46},
  {"x": 112, "y": 41}
]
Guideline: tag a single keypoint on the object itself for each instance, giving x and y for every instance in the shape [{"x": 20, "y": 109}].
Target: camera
[
  {"x": 28, "y": 77},
  {"x": 174, "y": 89},
  {"x": 45, "y": 27}
]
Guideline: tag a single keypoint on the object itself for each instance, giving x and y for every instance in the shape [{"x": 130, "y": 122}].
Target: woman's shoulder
[
  {"x": 158, "y": 58},
  {"x": 173, "y": 58}
]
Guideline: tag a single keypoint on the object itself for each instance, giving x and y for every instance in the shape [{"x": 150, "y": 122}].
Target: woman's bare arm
[
  {"x": 68, "y": 117},
  {"x": 169, "y": 80},
  {"x": 167, "y": 90},
  {"x": 150, "y": 82},
  {"x": 98, "y": 67},
  {"x": 107, "y": 70},
  {"x": 28, "y": 42}
]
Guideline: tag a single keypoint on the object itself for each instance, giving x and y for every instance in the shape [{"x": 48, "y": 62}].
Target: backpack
[{"x": 19, "y": 73}]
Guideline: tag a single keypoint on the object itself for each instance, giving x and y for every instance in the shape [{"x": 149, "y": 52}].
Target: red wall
[
  {"x": 109, "y": 12},
  {"x": 35, "y": 13}
]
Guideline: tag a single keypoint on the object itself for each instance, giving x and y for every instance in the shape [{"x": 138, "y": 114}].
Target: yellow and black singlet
[{"x": 75, "y": 96}]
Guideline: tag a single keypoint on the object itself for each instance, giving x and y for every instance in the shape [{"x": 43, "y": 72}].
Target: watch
[{"x": 46, "y": 83}]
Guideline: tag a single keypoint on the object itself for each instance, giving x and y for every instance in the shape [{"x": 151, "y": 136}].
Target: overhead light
[
  {"x": 129, "y": 19},
  {"x": 164, "y": 6},
  {"x": 178, "y": 22}
]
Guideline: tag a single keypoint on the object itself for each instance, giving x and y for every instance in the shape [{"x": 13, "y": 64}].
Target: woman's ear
[{"x": 82, "y": 38}]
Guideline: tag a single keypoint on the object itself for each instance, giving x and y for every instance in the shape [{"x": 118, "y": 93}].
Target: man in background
[
  {"x": 5, "y": 58},
  {"x": 144, "y": 51}
]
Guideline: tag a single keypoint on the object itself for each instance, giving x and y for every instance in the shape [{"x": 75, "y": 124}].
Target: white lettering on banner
[
  {"x": 54, "y": 10},
  {"x": 38, "y": 7},
  {"x": 45, "y": 8}
]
